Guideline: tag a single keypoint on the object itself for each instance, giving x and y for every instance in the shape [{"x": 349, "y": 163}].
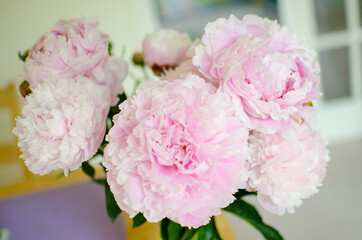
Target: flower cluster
[
  {"x": 269, "y": 75},
  {"x": 73, "y": 81},
  {"x": 231, "y": 111}
]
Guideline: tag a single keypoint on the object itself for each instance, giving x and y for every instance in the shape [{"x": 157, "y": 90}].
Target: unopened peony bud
[{"x": 165, "y": 47}]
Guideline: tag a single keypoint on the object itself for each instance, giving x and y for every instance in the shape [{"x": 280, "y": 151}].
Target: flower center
[{"x": 171, "y": 147}]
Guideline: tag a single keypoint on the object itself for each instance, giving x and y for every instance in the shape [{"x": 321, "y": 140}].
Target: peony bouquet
[{"x": 222, "y": 117}]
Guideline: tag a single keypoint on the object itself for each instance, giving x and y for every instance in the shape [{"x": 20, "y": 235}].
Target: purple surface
[{"x": 74, "y": 212}]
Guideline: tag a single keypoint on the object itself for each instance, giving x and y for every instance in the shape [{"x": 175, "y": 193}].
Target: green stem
[{"x": 144, "y": 71}]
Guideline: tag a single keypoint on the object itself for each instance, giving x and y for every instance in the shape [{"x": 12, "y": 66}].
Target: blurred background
[{"x": 332, "y": 27}]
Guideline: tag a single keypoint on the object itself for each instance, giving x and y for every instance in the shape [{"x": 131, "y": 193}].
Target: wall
[{"x": 23, "y": 22}]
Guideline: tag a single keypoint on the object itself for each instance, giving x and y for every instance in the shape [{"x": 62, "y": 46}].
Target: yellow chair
[{"x": 11, "y": 169}]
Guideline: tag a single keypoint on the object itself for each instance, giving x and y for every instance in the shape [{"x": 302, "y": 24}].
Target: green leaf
[
  {"x": 88, "y": 169},
  {"x": 164, "y": 228},
  {"x": 100, "y": 181},
  {"x": 112, "y": 208},
  {"x": 138, "y": 220},
  {"x": 175, "y": 230},
  {"x": 122, "y": 97},
  {"x": 115, "y": 109},
  {"x": 189, "y": 234},
  {"x": 110, "y": 46},
  {"x": 244, "y": 209},
  {"x": 215, "y": 233},
  {"x": 242, "y": 193},
  {"x": 102, "y": 147},
  {"x": 205, "y": 232},
  {"x": 249, "y": 213},
  {"x": 24, "y": 55},
  {"x": 209, "y": 231}
]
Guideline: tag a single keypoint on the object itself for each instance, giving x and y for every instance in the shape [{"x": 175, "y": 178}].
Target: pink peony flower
[
  {"x": 268, "y": 72},
  {"x": 71, "y": 48},
  {"x": 63, "y": 124},
  {"x": 176, "y": 150},
  {"x": 75, "y": 48},
  {"x": 185, "y": 67},
  {"x": 165, "y": 47},
  {"x": 286, "y": 167},
  {"x": 114, "y": 72}
]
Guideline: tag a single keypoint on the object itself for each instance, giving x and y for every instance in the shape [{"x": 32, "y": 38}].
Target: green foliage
[
  {"x": 215, "y": 233},
  {"x": 110, "y": 46},
  {"x": 249, "y": 213},
  {"x": 164, "y": 228},
  {"x": 209, "y": 231},
  {"x": 115, "y": 109},
  {"x": 112, "y": 208},
  {"x": 24, "y": 55},
  {"x": 189, "y": 234},
  {"x": 242, "y": 193},
  {"x": 88, "y": 169},
  {"x": 205, "y": 233},
  {"x": 100, "y": 181},
  {"x": 174, "y": 231},
  {"x": 111, "y": 205},
  {"x": 138, "y": 220}
]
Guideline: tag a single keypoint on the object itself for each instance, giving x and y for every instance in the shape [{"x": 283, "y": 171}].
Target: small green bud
[
  {"x": 24, "y": 88},
  {"x": 138, "y": 59},
  {"x": 309, "y": 104},
  {"x": 110, "y": 46},
  {"x": 24, "y": 55}
]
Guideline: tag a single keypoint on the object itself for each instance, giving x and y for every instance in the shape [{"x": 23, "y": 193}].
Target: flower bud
[
  {"x": 165, "y": 47},
  {"x": 138, "y": 59}
]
